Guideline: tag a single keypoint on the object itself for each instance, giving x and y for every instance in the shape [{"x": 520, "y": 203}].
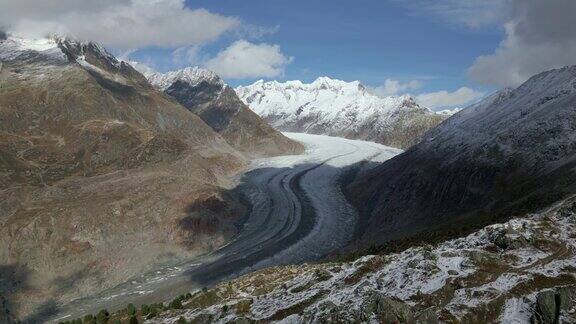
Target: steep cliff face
[
  {"x": 206, "y": 95},
  {"x": 510, "y": 154},
  {"x": 101, "y": 175},
  {"x": 346, "y": 109}
]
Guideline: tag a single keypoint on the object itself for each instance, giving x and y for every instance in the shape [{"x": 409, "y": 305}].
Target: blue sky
[
  {"x": 362, "y": 40},
  {"x": 446, "y": 53},
  {"x": 366, "y": 40}
]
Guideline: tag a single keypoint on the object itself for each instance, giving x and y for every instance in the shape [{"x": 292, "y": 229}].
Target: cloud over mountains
[
  {"x": 123, "y": 24},
  {"x": 540, "y": 35},
  {"x": 129, "y": 25},
  {"x": 246, "y": 60}
]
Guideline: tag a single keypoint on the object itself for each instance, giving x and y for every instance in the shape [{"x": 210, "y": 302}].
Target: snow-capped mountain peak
[
  {"x": 59, "y": 48},
  {"x": 12, "y": 47},
  {"x": 79, "y": 48},
  {"x": 336, "y": 107},
  {"x": 191, "y": 75}
]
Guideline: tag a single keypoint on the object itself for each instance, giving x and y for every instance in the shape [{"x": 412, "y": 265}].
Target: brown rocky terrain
[{"x": 102, "y": 177}]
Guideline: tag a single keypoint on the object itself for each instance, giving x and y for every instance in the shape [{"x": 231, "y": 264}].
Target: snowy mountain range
[
  {"x": 334, "y": 107},
  {"x": 190, "y": 75}
]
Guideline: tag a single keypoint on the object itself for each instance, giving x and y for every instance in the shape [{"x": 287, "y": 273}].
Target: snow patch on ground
[
  {"x": 517, "y": 310},
  {"x": 12, "y": 47}
]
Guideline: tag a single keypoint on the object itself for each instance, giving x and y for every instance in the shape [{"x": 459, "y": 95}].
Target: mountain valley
[
  {"x": 102, "y": 176},
  {"x": 172, "y": 161}
]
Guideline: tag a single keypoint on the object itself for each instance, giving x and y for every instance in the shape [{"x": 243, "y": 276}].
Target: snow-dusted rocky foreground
[{"x": 516, "y": 272}]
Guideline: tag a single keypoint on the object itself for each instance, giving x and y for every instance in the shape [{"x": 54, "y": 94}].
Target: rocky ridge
[
  {"x": 206, "y": 95},
  {"x": 510, "y": 154}
]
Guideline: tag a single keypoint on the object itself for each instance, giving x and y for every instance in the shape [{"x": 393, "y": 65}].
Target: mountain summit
[
  {"x": 192, "y": 76},
  {"x": 339, "y": 108},
  {"x": 204, "y": 93}
]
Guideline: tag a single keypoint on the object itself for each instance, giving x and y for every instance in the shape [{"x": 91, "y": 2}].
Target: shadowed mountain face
[
  {"x": 100, "y": 174},
  {"x": 513, "y": 153},
  {"x": 206, "y": 95}
]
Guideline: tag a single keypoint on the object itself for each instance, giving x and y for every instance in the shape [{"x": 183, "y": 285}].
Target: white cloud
[
  {"x": 540, "y": 36},
  {"x": 144, "y": 68},
  {"x": 243, "y": 59},
  {"x": 250, "y": 31},
  {"x": 393, "y": 87},
  {"x": 442, "y": 99},
  {"x": 471, "y": 13},
  {"x": 433, "y": 100},
  {"x": 188, "y": 55},
  {"x": 121, "y": 24}
]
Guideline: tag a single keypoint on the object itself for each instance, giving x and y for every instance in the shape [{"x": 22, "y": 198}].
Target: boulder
[
  {"x": 551, "y": 304},
  {"x": 566, "y": 298},
  {"x": 388, "y": 310}
]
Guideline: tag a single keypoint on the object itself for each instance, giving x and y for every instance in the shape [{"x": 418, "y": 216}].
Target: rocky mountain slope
[
  {"x": 102, "y": 177},
  {"x": 510, "y": 154},
  {"x": 338, "y": 108},
  {"x": 521, "y": 271},
  {"x": 205, "y": 94}
]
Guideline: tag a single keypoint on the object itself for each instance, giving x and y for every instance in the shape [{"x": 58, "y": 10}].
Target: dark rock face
[
  {"x": 546, "y": 308},
  {"x": 194, "y": 96},
  {"x": 386, "y": 309},
  {"x": 220, "y": 108},
  {"x": 511, "y": 154},
  {"x": 201, "y": 100},
  {"x": 5, "y": 314},
  {"x": 552, "y": 304},
  {"x": 566, "y": 297}
]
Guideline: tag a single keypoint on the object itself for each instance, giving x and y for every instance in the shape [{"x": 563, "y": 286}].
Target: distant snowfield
[{"x": 336, "y": 151}]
